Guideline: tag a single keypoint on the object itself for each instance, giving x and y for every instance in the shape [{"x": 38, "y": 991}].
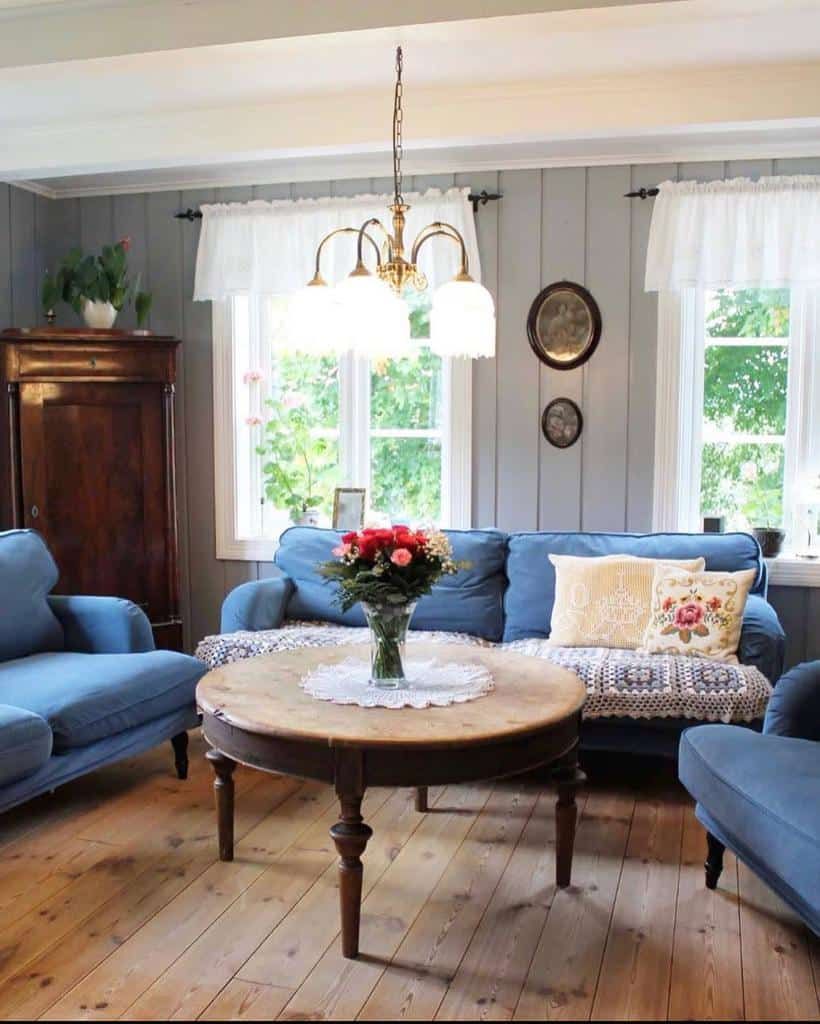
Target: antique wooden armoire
[{"x": 87, "y": 458}]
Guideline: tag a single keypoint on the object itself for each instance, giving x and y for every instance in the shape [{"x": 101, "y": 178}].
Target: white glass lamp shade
[
  {"x": 315, "y": 322},
  {"x": 378, "y": 321},
  {"x": 462, "y": 320}
]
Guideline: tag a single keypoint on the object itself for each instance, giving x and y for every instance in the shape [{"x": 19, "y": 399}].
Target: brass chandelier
[{"x": 366, "y": 312}]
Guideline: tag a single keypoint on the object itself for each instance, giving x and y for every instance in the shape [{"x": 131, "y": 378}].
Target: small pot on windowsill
[{"x": 770, "y": 540}]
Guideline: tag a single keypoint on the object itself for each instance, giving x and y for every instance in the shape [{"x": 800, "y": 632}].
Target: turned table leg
[
  {"x": 350, "y": 834},
  {"x": 570, "y": 778},
  {"x": 421, "y": 800},
  {"x": 223, "y": 792}
]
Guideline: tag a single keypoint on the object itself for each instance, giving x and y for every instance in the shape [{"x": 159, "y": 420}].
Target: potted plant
[
  {"x": 764, "y": 508},
  {"x": 299, "y": 461},
  {"x": 96, "y": 287},
  {"x": 387, "y": 571}
]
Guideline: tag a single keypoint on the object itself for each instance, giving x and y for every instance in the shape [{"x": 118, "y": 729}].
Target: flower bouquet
[{"x": 387, "y": 571}]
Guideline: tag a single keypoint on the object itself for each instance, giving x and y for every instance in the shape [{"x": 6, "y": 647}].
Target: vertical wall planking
[
  {"x": 5, "y": 255},
  {"x": 519, "y": 275},
  {"x": 485, "y": 382},
  {"x": 23, "y": 258},
  {"x": 643, "y": 350},
  {"x": 563, "y": 258},
  {"x": 606, "y": 382},
  {"x": 206, "y": 575}
]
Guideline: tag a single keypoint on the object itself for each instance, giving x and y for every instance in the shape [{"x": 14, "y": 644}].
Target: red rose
[
  {"x": 350, "y": 538},
  {"x": 688, "y": 616}
]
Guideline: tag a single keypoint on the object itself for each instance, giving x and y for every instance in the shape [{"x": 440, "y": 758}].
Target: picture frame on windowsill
[{"x": 349, "y": 505}]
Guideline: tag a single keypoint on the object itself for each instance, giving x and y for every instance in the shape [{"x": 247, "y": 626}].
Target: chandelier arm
[
  {"x": 373, "y": 222},
  {"x": 345, "y": 231},
  {"x": 446, "y": 231}
]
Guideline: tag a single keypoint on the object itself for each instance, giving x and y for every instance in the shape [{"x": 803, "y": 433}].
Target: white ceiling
[{"x": 737, "y": 69}]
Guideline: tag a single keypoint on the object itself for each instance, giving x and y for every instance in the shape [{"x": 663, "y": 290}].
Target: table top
[{"x": 263, "y": 696}]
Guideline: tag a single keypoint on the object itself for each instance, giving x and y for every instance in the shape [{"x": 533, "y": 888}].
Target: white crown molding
[{"x": 38, "y": 188}]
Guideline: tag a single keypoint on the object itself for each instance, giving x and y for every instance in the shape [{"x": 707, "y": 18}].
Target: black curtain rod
[
  {"x": 476, "y": 198},
  {"x": 642, "y": 193}
]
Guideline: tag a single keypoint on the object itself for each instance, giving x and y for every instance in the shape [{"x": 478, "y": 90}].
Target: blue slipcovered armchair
[
  {"x": 81, "y": 684},
  {"x": 760, "y": 794}
]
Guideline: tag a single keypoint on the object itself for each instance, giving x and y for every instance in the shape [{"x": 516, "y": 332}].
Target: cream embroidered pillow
[
  {"x": 605, "y": 601},
  {"x": 698, "y": 613}
]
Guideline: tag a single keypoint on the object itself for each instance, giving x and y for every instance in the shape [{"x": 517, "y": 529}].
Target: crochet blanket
[{"x": 623, "y": 684}]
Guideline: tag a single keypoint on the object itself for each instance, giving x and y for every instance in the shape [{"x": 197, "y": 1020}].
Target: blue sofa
[
  {"x": 81, "y": 684},
  {"x": 507, "y": 595},
  {"x": 760, "y": 794}
]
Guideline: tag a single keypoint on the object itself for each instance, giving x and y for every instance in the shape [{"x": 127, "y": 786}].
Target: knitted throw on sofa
[{"x": 619, "y": 683}]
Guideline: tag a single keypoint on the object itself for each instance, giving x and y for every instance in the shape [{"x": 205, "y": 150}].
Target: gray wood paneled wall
[{"x": 570, "y": 223}]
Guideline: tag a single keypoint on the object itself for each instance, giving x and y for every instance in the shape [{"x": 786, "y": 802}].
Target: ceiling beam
[
  {"x": 303, "y": 127},
  {"x": 51, "y": 31}
]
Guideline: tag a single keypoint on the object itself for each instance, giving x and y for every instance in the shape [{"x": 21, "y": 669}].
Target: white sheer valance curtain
[
  {"x": 269, "y": 248},
  {"x": 735, "y": 234}
]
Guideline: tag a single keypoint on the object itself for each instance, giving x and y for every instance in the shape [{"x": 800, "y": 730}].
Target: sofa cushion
[
  {"x": 25, "y": 743},
  {"x": 531, "y": 592},
  {"x": 27, "y": 574},
  {"x": 86, "y": 697},
  {"x": 762, "y": 793},
  {"x": 469, "y": 602}
]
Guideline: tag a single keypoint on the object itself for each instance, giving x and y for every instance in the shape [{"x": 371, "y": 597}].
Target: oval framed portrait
[
  {"x": 562, "y": 422},
  {"x": 564, "y": 325}
]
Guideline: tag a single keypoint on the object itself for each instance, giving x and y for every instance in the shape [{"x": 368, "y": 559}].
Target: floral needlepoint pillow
[{"x": 698, "y": 613}]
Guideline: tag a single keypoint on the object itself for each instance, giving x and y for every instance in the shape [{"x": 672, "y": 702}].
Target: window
[
  {"x": 290, "y": 428},
  {"x": 737, "y": 434}
]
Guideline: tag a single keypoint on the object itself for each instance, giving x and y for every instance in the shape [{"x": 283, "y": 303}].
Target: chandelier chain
[{"x": 398, "y": 116}]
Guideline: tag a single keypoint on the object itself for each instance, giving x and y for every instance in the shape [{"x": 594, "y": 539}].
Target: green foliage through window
[{"x": 744, "y": 407}]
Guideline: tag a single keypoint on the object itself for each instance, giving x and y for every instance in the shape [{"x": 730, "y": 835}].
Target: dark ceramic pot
[{"x": 770, "y": 540}]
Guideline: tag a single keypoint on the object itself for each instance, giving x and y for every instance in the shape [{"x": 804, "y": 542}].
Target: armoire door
[{"x": 94, "y": 483}]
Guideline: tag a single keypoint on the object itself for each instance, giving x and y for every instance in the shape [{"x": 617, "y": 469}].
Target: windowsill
[{"x": 791, "y": 571}]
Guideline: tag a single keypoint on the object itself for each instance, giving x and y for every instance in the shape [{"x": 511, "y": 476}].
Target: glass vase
[{"x": 388, "y": 636}]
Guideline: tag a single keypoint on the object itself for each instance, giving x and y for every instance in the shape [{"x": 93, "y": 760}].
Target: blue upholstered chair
[
  {"x": 81, "y": 684},
  {"x": 759, "y": 794}
]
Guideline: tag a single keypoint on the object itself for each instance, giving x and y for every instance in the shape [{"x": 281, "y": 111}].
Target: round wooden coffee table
[{"x": 255, "y": 712}]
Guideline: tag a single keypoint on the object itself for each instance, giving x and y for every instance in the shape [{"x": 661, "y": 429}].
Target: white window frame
[
  {"x": 679, "y": 416},
  {"x": 232, "y": 474}
]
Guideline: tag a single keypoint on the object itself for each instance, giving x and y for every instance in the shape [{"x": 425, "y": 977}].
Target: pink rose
[
  {"x": 341, "y": 550},
  {"x": 688, "y": 616},
  {"x": 401, "y": 557}
]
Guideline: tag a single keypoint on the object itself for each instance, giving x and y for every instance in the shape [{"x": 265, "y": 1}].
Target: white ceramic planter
[
  {"x": 98, "y": 315},
  {"x": 310, "y": 518}
]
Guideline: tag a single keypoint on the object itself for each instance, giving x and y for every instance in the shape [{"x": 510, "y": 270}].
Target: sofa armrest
[
  {"x": 257, "y": 605},
  {"x": 103, "y": 625},
  {"x": 794, "y": 706},
  {"x": 762, "y": 640}
]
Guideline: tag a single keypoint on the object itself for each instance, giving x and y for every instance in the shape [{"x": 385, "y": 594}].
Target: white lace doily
[{"x": 428, "y": 684}]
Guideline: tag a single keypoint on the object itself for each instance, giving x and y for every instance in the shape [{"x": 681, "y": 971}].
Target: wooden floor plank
[
  {"x": 297, "y": 944},
  {"x": 635, "y": 972},
  {"x": 778, "y": 982},
  {"x": 247, "y": 1000},
  {"x": 337, "y": 987},
  {"x": 560, "y": 984},
  {"x": 110, "y": 989},
  {"x": 163, "y": 874},
  {"x": 707, "y": 981},
  {"x": 118, "y": 906},
  {"x": 491, "y": 975},
  {"x": 209, "y": 963},
  {"x": 425, "y": 963}
]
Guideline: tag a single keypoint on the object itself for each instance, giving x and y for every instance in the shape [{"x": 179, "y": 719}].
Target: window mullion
[{"x": 354, "y": 420}]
